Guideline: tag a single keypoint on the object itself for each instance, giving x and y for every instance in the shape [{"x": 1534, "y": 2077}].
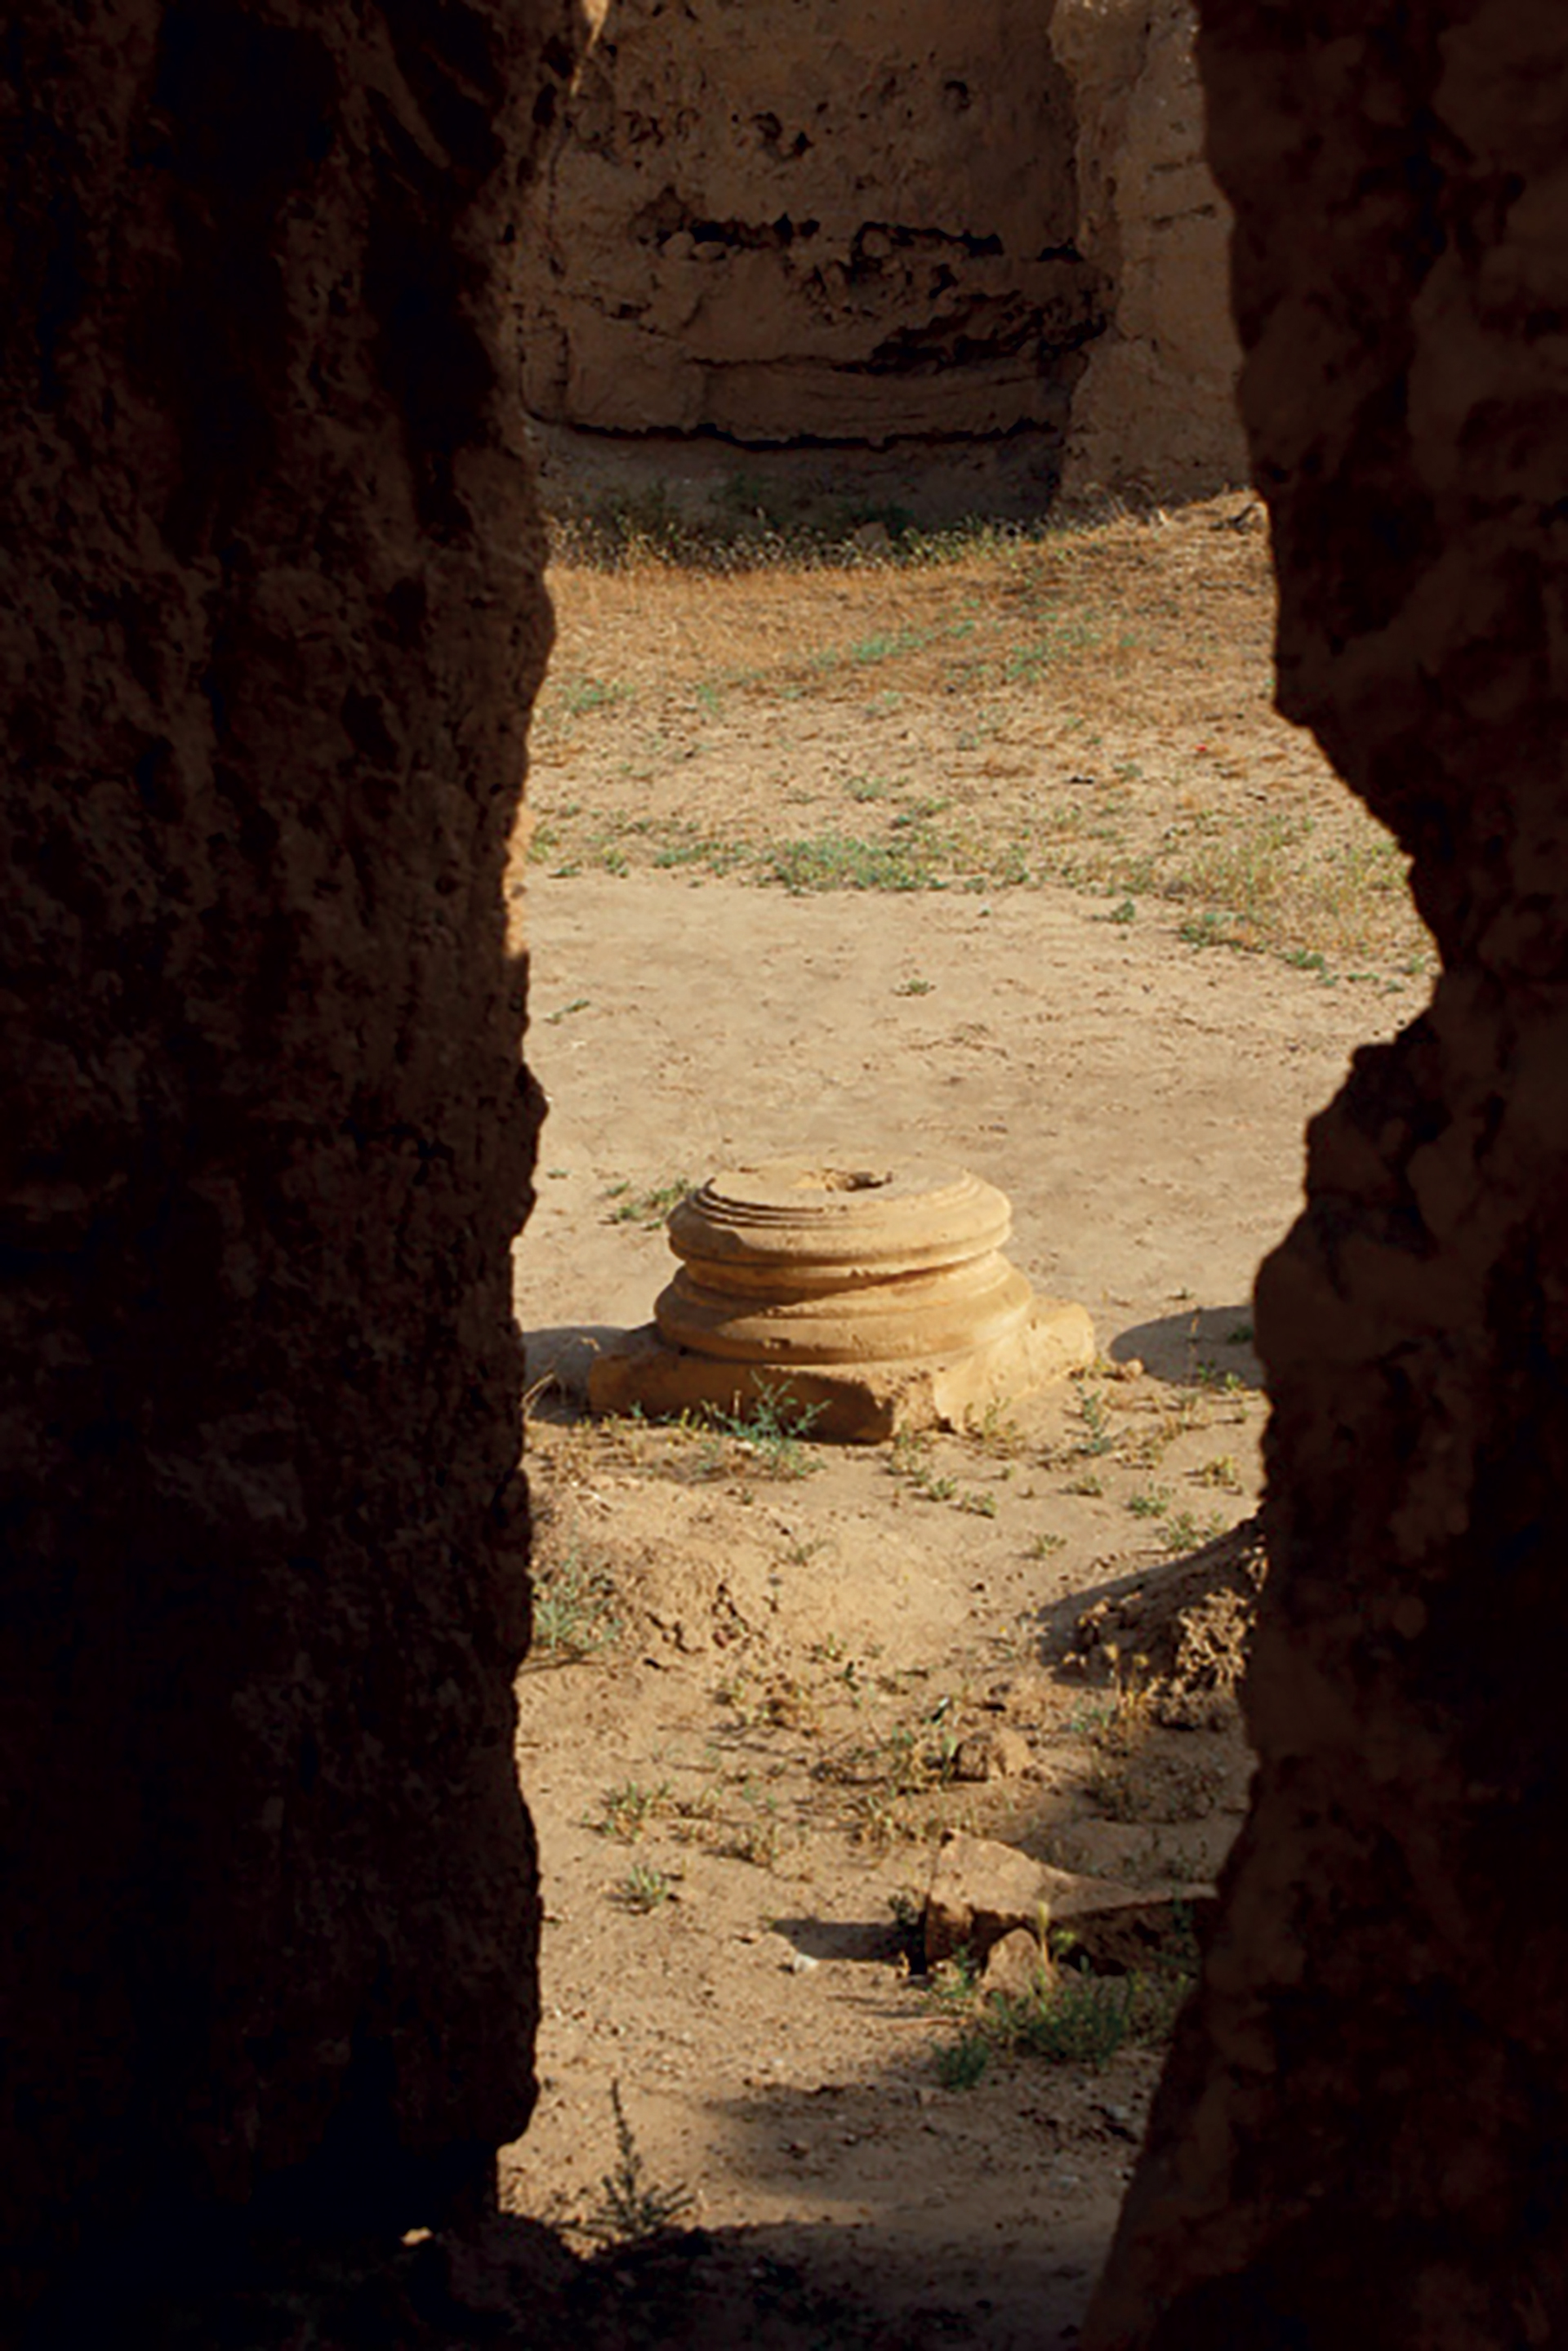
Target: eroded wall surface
[
  {"x": 1361, "y": 2137},
  {"x": 1154, "y": 411},
  {"x": 794, "y": 221},
  {"x": 799, "y": 219},
  {"x": 271, "y": 624}
]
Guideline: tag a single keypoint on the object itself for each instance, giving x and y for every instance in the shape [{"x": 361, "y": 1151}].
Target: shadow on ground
[
  {"x": 1203, "y": 1346},
  {"x": 513, "y": 2282}
]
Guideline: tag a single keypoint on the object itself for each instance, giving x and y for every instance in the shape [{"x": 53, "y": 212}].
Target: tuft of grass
[
  {"x": 961, "y": 2064},
  {"x": 979, "y": 1503},
  {"x": 646, "y": 1208},
  {"x": 995, "y": 1432},
  {"x": 773, "y": 1430},
  {"x": 758, "y": 1841},
  {"x": 643, "y": 1889},
  {"x": 629, "y": 1808},
  {"x": 574, "y": 1611},
  {"x": 1097, "y": 1437},
  {"x": 837, "y": 860},
  {"x": 932, "y": 1489},
  {"x": 1071, "y": 2018},
  {"x": 1183, "y": 1531},
  {"x": 580, "y": 696},
  {"x": 1067, "y": 2016}
]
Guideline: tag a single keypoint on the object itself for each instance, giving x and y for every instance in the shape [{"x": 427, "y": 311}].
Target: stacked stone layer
[{"x": 873, "y": 1297}]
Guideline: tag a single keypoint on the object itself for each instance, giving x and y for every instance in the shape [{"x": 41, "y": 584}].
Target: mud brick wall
[
  {"x": 271, "y": 627},
  {"x": 1362, "y": 2134},
  {"x": 907, "y": 221}
]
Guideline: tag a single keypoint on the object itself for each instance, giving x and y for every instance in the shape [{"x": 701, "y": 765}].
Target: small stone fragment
[
  {"x": 982, "y": 1891},
  {"x": 992, "y": 1755},
  {"x": 1016, "y": 1965}
]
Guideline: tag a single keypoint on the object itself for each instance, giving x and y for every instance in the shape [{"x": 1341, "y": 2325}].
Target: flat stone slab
[
  {"x": 982, "y": 1891},
  {"x": 854, "y": 1404}
]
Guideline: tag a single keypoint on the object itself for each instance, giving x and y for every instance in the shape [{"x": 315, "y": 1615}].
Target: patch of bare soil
[{"x": 759, "y": 1660}]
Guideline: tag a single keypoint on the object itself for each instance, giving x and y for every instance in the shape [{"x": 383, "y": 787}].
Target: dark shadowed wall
[
  {"x": 1362, "y": 2134},
  {"x": 271, "y": 624}
]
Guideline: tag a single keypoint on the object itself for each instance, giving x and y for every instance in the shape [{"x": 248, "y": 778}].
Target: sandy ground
[{"x": 737, "y": 1796}]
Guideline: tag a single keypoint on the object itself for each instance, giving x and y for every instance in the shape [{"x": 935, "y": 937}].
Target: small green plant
[
  {"x": 934, "y": 1488},
  {"x": 587, "y": 693},
  {"x": 1150, "y": 1502},
  {"x": 629, "y": 1808},
  {"x": 1089, "y": 1481},
  {"x": 979, "y": 1503},
  {"x": 906, "y": 1456},
  {"x": 644, "y": 1888},
  {"x": 995, "y": 1432},
  {"x": 574, "y": 1611},
  {"x": 648, "y": 1208},
  {"x": 1183, "y": 1531},
  {"x": 758, "y": 1841},
  {"x": 961, "y": 2063},
  {"x": 629, "y": 2207},
  {"x": 915, "y": 987},
  {"x": 773, "y": 1430},
  {"x": 1220, "y": 1471},
  {"x": 1071, "y": 2018},
  {"x": 1097, "y": 1437},
  {"x": 836, "y": 861},
  {"x": 695, "y": 1815},
  {"x": 579, "y": 1004},
  {"x": 1239, "y": 1335},
  {"x": 1043, "y": 1546},
  {"x": 1124, "y": 913}
]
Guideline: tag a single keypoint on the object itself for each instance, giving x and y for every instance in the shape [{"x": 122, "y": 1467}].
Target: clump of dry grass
[{"x": 989, "y": 711}]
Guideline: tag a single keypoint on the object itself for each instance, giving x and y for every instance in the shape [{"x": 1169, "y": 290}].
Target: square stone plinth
[{"x": 860, "y": 1405}]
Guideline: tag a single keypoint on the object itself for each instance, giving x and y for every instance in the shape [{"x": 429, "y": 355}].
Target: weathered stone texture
[
  {"x": 802, "y": 220},
  {"x": 794, "y": 221},
  {"x": 271, "y": 624},
  {"x": 1362, "y": 2135},
  {"x": 1155, "y": 410}
]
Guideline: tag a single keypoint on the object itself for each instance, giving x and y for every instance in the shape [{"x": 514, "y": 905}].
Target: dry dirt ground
[{"x": 995, "y": 854}]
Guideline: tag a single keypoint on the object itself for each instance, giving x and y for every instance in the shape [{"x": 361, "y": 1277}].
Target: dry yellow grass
[{"x": 1092, "y": 708}]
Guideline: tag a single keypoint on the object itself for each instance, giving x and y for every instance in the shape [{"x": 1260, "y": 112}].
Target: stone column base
[{"x": 851, "y": 1404}]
